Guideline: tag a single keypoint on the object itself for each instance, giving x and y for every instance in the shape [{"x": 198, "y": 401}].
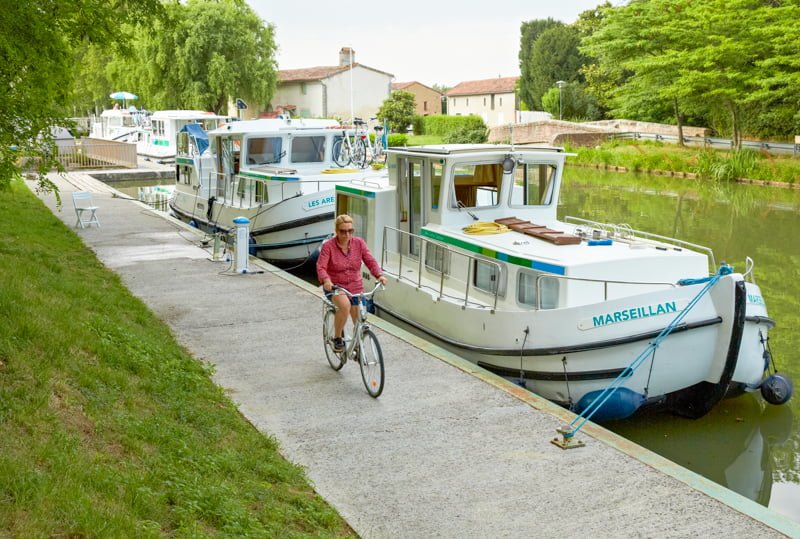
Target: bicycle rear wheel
[
  {"x": 371, "y": 363},
  {"x": 341, "y": 154},
  {"x": 360, "y": 153},
  {"x": 334, "y": 358}
]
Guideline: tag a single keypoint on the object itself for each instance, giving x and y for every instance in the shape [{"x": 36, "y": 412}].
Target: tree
[
  {"x": 201, "y": 55},
  {"x": 529, "y": 33},
  {"x": 37, "y": 41},
  {"x": 555, "y": 57},
  {"x": 398, "y": 110},
  {"x": 572, "y": 101}
]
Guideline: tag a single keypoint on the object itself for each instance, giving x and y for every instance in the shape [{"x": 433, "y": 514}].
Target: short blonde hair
[{"x": 343, "y": 218}]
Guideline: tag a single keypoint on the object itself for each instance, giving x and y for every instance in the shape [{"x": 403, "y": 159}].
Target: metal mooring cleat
[{"x": 567, "y": 441}]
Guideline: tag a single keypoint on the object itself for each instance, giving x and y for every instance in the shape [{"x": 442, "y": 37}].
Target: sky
[{"x": 428, "y": 41}]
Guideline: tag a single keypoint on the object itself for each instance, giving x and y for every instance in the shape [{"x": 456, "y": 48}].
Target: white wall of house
[
  {"x": 495, "y": 109},
  {"x": 307, "y": 96},
  {"x": 370, "y": 90}
]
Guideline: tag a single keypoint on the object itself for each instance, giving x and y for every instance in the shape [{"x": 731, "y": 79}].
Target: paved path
[{"x": 447, "y": 451}]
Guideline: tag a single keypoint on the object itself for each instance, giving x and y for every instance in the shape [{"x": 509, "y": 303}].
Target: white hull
[{"x": 562, "y": 362}]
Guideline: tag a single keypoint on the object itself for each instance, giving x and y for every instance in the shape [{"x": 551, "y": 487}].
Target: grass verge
[{"x": 110, "y": 428}]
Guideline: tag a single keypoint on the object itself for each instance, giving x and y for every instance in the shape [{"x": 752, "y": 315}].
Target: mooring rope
[{"x": 626, "y": 373}]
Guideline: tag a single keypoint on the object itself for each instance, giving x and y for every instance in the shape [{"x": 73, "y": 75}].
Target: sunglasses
[{"x": 345, "y": 230}]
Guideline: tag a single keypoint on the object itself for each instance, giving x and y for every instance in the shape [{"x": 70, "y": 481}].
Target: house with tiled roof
[
  {"x": 325, "y": 91},
  {"x": 428, "y": 101},
  {"x": 494, "y": 100}
]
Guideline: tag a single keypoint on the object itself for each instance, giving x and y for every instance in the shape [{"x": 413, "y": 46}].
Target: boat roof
[
  {"x": 186, "y": 115},
  {"x": 274, "y": 126},
  {"x": 459, "y": 149}
]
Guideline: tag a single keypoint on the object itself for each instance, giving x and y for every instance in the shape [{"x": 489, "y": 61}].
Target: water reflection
[
  {"x": 743, "y": 444},
  {"x": 735, "y": 445}
]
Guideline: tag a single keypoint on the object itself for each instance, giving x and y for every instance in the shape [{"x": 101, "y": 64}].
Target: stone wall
[{"x": 557, "y": 132}]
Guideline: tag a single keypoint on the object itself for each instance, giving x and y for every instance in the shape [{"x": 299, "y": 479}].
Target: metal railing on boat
[{"x": 413, "y": 247}]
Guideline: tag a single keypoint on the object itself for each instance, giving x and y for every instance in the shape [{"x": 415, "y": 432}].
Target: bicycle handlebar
[{"x": 378, "y": 286}]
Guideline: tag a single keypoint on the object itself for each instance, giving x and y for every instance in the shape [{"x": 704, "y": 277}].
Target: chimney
[{"x": 346, "y": 55}]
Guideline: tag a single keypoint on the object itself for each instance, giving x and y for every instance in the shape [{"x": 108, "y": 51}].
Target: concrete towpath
[{"x": 448, "y": 450}]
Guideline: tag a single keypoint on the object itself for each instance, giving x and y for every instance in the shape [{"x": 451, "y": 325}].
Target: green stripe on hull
[
  {"x": 491, "y": 253},
  {"x": 266, "y": 177},
  {"x": 354, "y": 191}
]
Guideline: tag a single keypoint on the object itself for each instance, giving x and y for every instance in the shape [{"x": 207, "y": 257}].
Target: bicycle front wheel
[
  {"x": 334, "y": 358},
  {"x": 341, "y": 155},
  {"x": 371, "y": 362},
  {"x": 360, "y": 153}
]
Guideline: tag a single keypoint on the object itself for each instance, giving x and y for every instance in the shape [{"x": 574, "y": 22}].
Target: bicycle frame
[{"x": 361, "y": 323}]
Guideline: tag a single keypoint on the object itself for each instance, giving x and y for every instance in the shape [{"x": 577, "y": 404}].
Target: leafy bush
[
  {"x": 397, "y": 139},
  {"x": 467, "y": 135},
  {"x": 418, "y": 124},
  {"x": 442, "y": 125}
]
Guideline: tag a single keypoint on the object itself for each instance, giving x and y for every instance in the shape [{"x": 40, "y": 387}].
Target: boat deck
[{"x": 448, "y": 450}]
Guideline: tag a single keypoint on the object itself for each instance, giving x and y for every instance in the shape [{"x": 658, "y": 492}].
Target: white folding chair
[{"x": 85, "y": 209}]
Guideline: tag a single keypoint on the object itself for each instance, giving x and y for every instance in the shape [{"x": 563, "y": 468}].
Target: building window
[
  {"x": 424, "y": 105},
  {"x": 501, "y": 101},
  {"x": 303, "y": 88},
  {"x": 468, "y": 101},
  {"x": 484, "y": 101}
]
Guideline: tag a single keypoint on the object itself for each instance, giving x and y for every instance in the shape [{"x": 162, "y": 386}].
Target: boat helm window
[
  {"x": 264, "y": 150},
  {"x": 308, "y": 149},
  {"x": 476, "y": 186},
  {"x": 533, "y": 185},
  {"x": 528, "y": 290}
]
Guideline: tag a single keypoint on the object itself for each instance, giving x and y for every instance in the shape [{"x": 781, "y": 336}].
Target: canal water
[{"x": 744, "y": 444}]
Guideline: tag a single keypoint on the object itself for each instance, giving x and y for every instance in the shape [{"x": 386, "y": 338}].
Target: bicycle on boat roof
[
  {"x": 363, "y": 346},
  {"x": 351, "y": 147}
]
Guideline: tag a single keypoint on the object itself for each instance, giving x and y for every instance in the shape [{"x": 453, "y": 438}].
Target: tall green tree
[
  {"x": 202, "y": 55},
  {"x": 529, "y": 33},
  {"x": 555, "y": 57},
  {"x": 398, "y": 110},
  {"x": 38, "y": 39},
  {"x": 701, "y": 57}
]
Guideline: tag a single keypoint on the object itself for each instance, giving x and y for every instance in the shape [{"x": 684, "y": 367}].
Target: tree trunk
[
  {"x": 679, "y": 121},
  {"x": 736, "y": 135}
]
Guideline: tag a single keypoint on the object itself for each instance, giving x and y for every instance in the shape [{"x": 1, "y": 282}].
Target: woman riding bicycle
[{"x": 339, "y": 264}]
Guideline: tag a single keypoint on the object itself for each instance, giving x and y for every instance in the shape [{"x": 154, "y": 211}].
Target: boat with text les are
[
  {"x": 278, "y": 173},
  {"x": 478, "y": 259}
]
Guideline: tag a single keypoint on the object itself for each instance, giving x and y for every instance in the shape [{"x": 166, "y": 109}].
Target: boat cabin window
[
  {"x": 488, "y": 278},
  {"x": 435, "y": 185},
  {"x": 437, "y": 258},
  {"x": 528, "y": 291},
  {"x": 158, "y": 127},
  {"x": 308, "y": 149},
  {"x": 476, "y": 186},
  {"x": 533, "y": 184},
  {"x": 264, "y": 150}
]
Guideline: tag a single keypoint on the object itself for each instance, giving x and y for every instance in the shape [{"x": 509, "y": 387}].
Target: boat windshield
[
  {"x": 308, "y": 149},
  {"x": 533, "y": 184},
  {"x": 476, "y": 186},
  {"x": 264, "y": 150}
]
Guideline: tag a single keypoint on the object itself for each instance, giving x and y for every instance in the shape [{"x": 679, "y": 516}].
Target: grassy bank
[
  {"x": 650, "y": 156},
  {"x": 719, "y": 165},
  {"x": 110, "y": 428}
]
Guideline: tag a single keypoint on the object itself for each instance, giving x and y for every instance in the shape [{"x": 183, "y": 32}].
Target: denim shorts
[{"x": 353, "y": 300}]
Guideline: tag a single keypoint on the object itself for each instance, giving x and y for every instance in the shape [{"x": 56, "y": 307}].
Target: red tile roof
[
  {"x": 318, "y": 73},
  {"x": 500, "y": 85},
  {"x": 404, "y": 85}
]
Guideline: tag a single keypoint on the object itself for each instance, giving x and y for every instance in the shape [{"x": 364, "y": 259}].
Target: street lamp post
[{"x": 560, "y": 84}]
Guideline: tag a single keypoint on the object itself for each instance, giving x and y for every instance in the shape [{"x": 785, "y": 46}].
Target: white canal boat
[
  {"x": 160, "y": 142},
  {"x": 277, "y": 173},
  {"x": 477, "y": 258}
]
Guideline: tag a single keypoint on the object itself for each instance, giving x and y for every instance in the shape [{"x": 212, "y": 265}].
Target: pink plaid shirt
[{"x": 345, "y": 269}]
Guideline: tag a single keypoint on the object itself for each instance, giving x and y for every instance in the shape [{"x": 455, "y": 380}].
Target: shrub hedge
[{"x": 441, "y": 125}]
